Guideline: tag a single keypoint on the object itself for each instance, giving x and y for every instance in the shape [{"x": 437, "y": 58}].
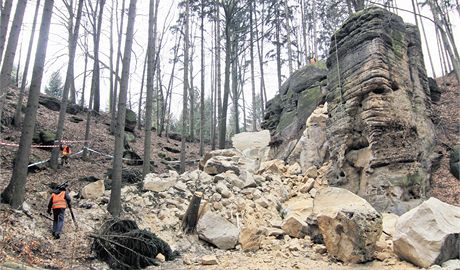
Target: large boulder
[
  {"x": 221, "y": 164},
  {"x": 130, "y": 120},
  {"x": 160, "y": 183},
  {"x": 379, "y": 130},
  {"x": 349, "y": 224},
  {"x": 287, "y": 112},
  {"x": 54, "y": 104},
  {"x": 215, "y": 153},
  {"x": 93, "y": 190},
  {"x": 217, "y": 230},
  {"x": 428, "y": 234},
  {"x": 248, "y": 140}
]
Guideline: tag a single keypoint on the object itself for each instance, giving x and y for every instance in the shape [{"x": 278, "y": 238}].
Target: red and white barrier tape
[
  {"x": 41, "y": 146},
  {"x": 33, "y": 145}
]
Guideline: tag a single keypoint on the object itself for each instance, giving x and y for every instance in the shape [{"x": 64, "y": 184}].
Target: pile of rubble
[{"x": 251, "y": 203}]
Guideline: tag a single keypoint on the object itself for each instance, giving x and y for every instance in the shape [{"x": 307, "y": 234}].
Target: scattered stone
[
  {"x": 313, "y": 192},
  {"x": 160, "y": 257},
  {"x": 93, "y": 190},
  {"x": 250, "y": 239},
  {"x": 438, "y": 242},
  {"x": 294, "y": 226},
  {"x": 311, "y": 172},
  {"x": 320, "y": 249},
  {"x": 451, "y": 265},
  {"x": 307, "y": 186},
  {"x": 130, "y": 120},
  {"x": 294, "y": 169},
  {"x": 217, "y": 230},
  {"x": 275, "y": 166},
  {"x": 209, "y": 260}
]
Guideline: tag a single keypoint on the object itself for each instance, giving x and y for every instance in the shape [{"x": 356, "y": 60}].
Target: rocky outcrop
[
  {"x": 130, "y": 120},
  {"x": 428, "y": 234},
  {"x": 349, "y": 225},
  {"x": 379, "y": 129},
  {"x": 54, "y": 104},
  {"x": 286, "y": 112}
]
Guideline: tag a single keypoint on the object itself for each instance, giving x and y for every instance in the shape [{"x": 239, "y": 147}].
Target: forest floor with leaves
[{"x": 25, "y": 236}]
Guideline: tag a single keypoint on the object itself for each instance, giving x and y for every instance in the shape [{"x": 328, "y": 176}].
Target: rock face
[
  {"x": 313, "y": 143},
  {"x": 286, "y": 112},
  {"x": 217, "y": 230},
  {"x": 349, "y": 224},
  {"x": 379, "y": 129},
  {"x": 428, "y": 234}
]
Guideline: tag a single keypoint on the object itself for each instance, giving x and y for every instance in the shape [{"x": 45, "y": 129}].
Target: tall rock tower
[{"x": 379, "y": 128}]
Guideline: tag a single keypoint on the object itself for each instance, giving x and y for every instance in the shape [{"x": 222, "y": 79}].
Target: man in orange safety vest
[
  {"x": 59, "y": 201},
  {"x": 65, "y": 150}
]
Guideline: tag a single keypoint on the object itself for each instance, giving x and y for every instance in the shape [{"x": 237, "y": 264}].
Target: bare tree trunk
[
  {"x": 151, "y": 49},
  {"x": 67, "y": 85},
  {"x": 15, "y": 191},
  {"x": 167, "y": 107},
  {"x": 192, "y": 94},
  {"x": 203, "y": 70},
  {"x": 219, "y": 85},
  {"x": 111, "y": 77},
  {"x": 117, "y": 69},
  {"x": 234, "y": 62},
  {"x": 304, "y": 29},
  {"x": 82, "y": 100},
  {"x": 96, "y": 71},
  {"x": 139, "y": 109},
  {"x": 445, "y": 39},
  {"x": 184, "y": 105},
  {"x": 253, "y": 83},
  {"x": 19, "y": 65},
  {"x": 278, "y": 47},
  {"x": 8, "y": 60},
  {"x": 18, "y": 112},
  {"x": 70, "y": 30},
  {"x": 416, "y": 13},
  {"x": 288, "y": 34},
  {"x": 228, "y": 56},
  {"x": 4, "y": 21},
  {"x": 114, "y": 206},
  {"x": 260, "y": 51}
]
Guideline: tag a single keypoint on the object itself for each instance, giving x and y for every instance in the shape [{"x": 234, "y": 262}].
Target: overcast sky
[{"x": 57, "y": 50}]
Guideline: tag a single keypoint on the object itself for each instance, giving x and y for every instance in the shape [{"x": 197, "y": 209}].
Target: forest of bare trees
[{"x": 203, "y": 63}]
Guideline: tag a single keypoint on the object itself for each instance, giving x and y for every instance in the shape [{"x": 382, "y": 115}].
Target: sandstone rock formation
[
  {"x": 379, "y": 129},
  {"x": 349, "y": 224},
  {"x": 287, "y": 111},
  {"x": 428, "y": 234}
]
